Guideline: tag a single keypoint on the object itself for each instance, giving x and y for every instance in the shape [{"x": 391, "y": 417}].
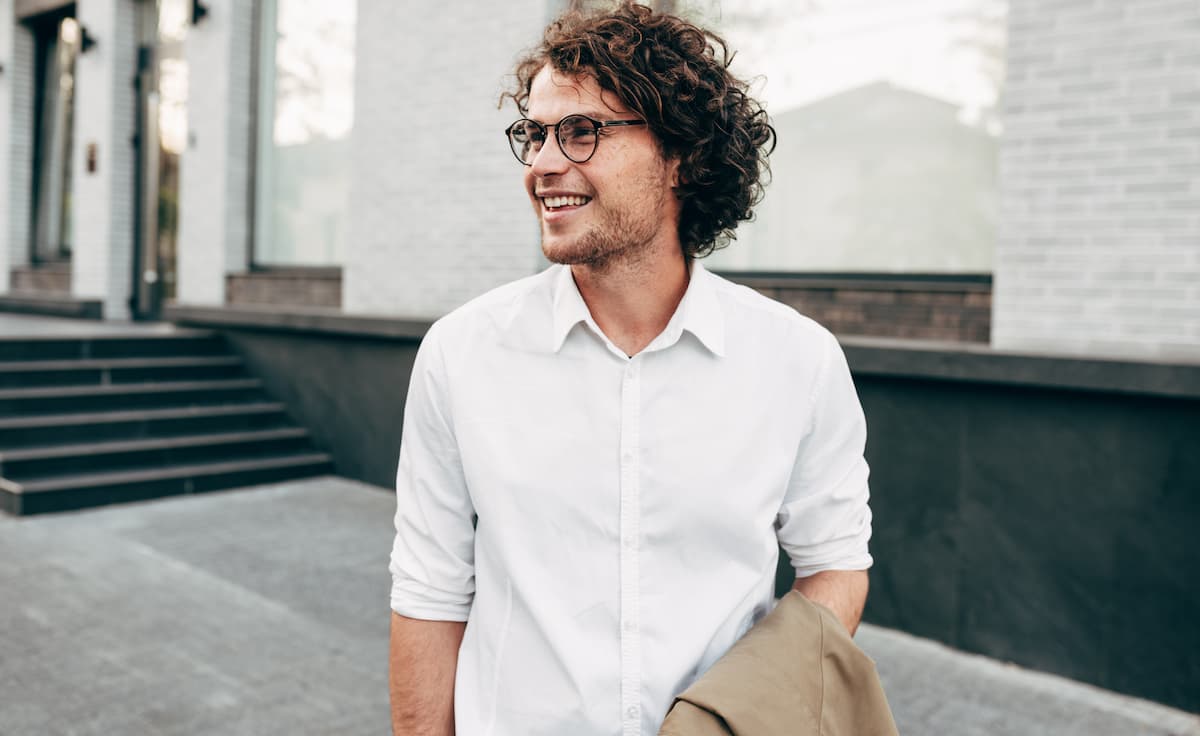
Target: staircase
[{"x": 108, "y": 419}]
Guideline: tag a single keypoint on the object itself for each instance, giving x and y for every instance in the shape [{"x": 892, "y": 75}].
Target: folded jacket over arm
[{"x": 797, "y": 672}]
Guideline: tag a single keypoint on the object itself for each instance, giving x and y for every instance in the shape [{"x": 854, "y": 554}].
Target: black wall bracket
[{"x": 199, "y": 10}]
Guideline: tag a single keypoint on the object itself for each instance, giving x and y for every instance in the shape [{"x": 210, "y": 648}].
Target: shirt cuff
[{"x": 410, "y": 599}]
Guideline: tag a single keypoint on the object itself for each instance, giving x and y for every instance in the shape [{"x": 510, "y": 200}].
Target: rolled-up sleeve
[
  {"x": 432, "y": 562},
  {"x": 825, "y": 522}
]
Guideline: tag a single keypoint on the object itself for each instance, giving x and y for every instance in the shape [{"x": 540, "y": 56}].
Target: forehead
[{"x": 553, "y": 95}]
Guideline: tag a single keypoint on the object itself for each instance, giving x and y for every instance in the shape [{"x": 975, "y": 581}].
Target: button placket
[{"x": 631, "y": 654}]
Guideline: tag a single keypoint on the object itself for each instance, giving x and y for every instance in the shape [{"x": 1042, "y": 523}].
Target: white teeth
[{"x": 573, "y": 200}]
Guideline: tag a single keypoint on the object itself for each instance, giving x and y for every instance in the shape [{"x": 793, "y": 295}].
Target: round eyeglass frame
[{"x": 597, "y": 124}]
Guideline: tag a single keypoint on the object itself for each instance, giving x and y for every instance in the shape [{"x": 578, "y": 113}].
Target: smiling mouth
[{"x": 556, "y": 203}]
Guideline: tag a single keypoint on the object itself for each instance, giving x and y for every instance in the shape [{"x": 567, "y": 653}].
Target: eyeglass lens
[{"x": 576, "y": 137}]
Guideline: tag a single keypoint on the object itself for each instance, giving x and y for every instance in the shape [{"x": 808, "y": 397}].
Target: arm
[
  {"x": 423, "y": 659},
  {"x": 432, "y": 561},
  {"x": 842, "y": 591},
  {"x": 824, "y": 523}
]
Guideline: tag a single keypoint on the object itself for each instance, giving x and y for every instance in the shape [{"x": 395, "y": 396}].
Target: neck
[{"x": 632, "y": 301}]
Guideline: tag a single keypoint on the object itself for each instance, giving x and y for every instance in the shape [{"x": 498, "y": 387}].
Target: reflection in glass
[
  {"x": 305, "y": 117},
  {"x": 55, "y": 115},
  {"x": 171, "y": 73},
  {"x": 888, "y": 130}
]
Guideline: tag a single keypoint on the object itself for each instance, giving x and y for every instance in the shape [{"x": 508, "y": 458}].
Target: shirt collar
[
  {"x": 699, "y": 312},
  {"x": 569, "y": 308}
]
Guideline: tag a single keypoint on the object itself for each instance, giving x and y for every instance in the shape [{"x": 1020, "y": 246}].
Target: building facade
[
  {"x": 1040, "y": 192},
  {"x": 1017, "y": 180}
]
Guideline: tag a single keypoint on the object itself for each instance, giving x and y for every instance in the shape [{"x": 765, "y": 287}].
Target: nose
[{"x": 549, "y": 159}]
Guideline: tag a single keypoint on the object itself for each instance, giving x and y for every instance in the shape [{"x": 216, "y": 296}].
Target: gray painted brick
[
  {"x": 1124, "y": 175},
  {"x": 103, "y": 202},
  {"x": 16, "y": 141},
  {"x": 214, "y": 212},
  {"x": 429, "y": 229}
]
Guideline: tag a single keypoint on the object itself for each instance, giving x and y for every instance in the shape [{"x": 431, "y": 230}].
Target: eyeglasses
[{"x": 577, "y": 136}]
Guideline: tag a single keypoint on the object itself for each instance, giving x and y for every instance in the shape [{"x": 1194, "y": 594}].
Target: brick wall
[
  {"x": 1099, "y": 249},
  {"x": 51, "y": 279},
  {"x": 437, "y": 210},
  {"x": 102, "y": 208},
  {"x": 16, "y": 141},
  {"x": 214, "y": 171},
  {"x": 944, "y": 309},
  {"x": 310, "y": 289}
]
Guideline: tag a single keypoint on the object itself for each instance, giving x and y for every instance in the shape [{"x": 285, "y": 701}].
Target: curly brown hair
[{"x": 676, "y": 77}]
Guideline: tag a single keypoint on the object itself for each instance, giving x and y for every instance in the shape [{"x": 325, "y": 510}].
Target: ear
[{"x": 673, "y": 171}]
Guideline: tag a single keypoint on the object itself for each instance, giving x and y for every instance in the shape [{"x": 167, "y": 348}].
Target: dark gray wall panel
[
  {"x": 1053, "y": 528},
  {"x": 348, "y": 392}
]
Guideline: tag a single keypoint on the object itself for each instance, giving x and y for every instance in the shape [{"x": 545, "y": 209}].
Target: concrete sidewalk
[{"x": 264, "y": 611}]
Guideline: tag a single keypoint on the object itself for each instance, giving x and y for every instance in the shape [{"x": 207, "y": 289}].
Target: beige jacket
[{"x": 797, "y": 672}]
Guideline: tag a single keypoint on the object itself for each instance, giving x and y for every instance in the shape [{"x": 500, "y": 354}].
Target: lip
[{"x": 560, "y": 213}]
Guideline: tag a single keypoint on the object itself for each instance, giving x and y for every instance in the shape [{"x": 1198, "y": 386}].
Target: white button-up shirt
[{"x": 607, "y": 525}]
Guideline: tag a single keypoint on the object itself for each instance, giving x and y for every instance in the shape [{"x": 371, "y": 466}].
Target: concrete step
[
  {"x": 58, "y": 399},
  {"x": 50, "y": 429},
  {"x": 45, "y": 462},
  {"x": 63, "y": 493},
  {"x": 97, "y": 371},
  {"x": 150, "y": 345},
  {"x": 51, "y": 305}
]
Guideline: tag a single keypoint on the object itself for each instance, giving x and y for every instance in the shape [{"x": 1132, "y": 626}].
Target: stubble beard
[{"x": 618, "y": 238}]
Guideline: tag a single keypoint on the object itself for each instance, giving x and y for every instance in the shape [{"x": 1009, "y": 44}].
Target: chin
[
  {"x": 558, "y": 249},
  {"x": 563, "y": 255}
]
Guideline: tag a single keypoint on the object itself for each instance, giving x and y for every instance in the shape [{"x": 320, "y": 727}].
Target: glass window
[
  {"x": 887, "y": 120},
  {"x": 58, "y": 43},
  {"x": 305, "y": 119}
]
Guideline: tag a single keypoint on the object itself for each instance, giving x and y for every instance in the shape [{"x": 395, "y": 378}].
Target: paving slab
[{"x": 264, "y": 611}]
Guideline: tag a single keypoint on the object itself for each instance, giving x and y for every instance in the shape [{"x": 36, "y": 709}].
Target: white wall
[
  {"x": 103, "y": 202},
  {"x": 16, "y": 141},
  {"x": 437, "y": 210},
  {"x": 215, "y": 169},
  {"x": 1099, "y": 250}
]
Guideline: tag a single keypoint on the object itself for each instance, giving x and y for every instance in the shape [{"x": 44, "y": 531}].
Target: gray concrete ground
[{"x": 264, "y": 611}]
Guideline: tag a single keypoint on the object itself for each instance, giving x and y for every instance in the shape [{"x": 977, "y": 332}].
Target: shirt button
[
  {"x": 630, "y": 626},
  {"x": 632, "y": 711},
  {"x": 630, "y": 542}
]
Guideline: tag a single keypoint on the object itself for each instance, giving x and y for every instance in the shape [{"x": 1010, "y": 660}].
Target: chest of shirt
[{"x": 557, "y": 439}]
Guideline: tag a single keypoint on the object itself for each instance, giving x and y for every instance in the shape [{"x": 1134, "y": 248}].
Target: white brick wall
[
  {"x": 6, "y": 95},
  {"x": 103, "y": 202},
  {"x": 16, "y": 141},
  {"x": 215, "y": 168},
  {"x": 437, "y": 211},
  {"x": 1099, "y": 250}
]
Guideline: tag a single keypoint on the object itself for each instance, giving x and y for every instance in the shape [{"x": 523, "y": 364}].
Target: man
[{"x": 598, "y": 461}]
